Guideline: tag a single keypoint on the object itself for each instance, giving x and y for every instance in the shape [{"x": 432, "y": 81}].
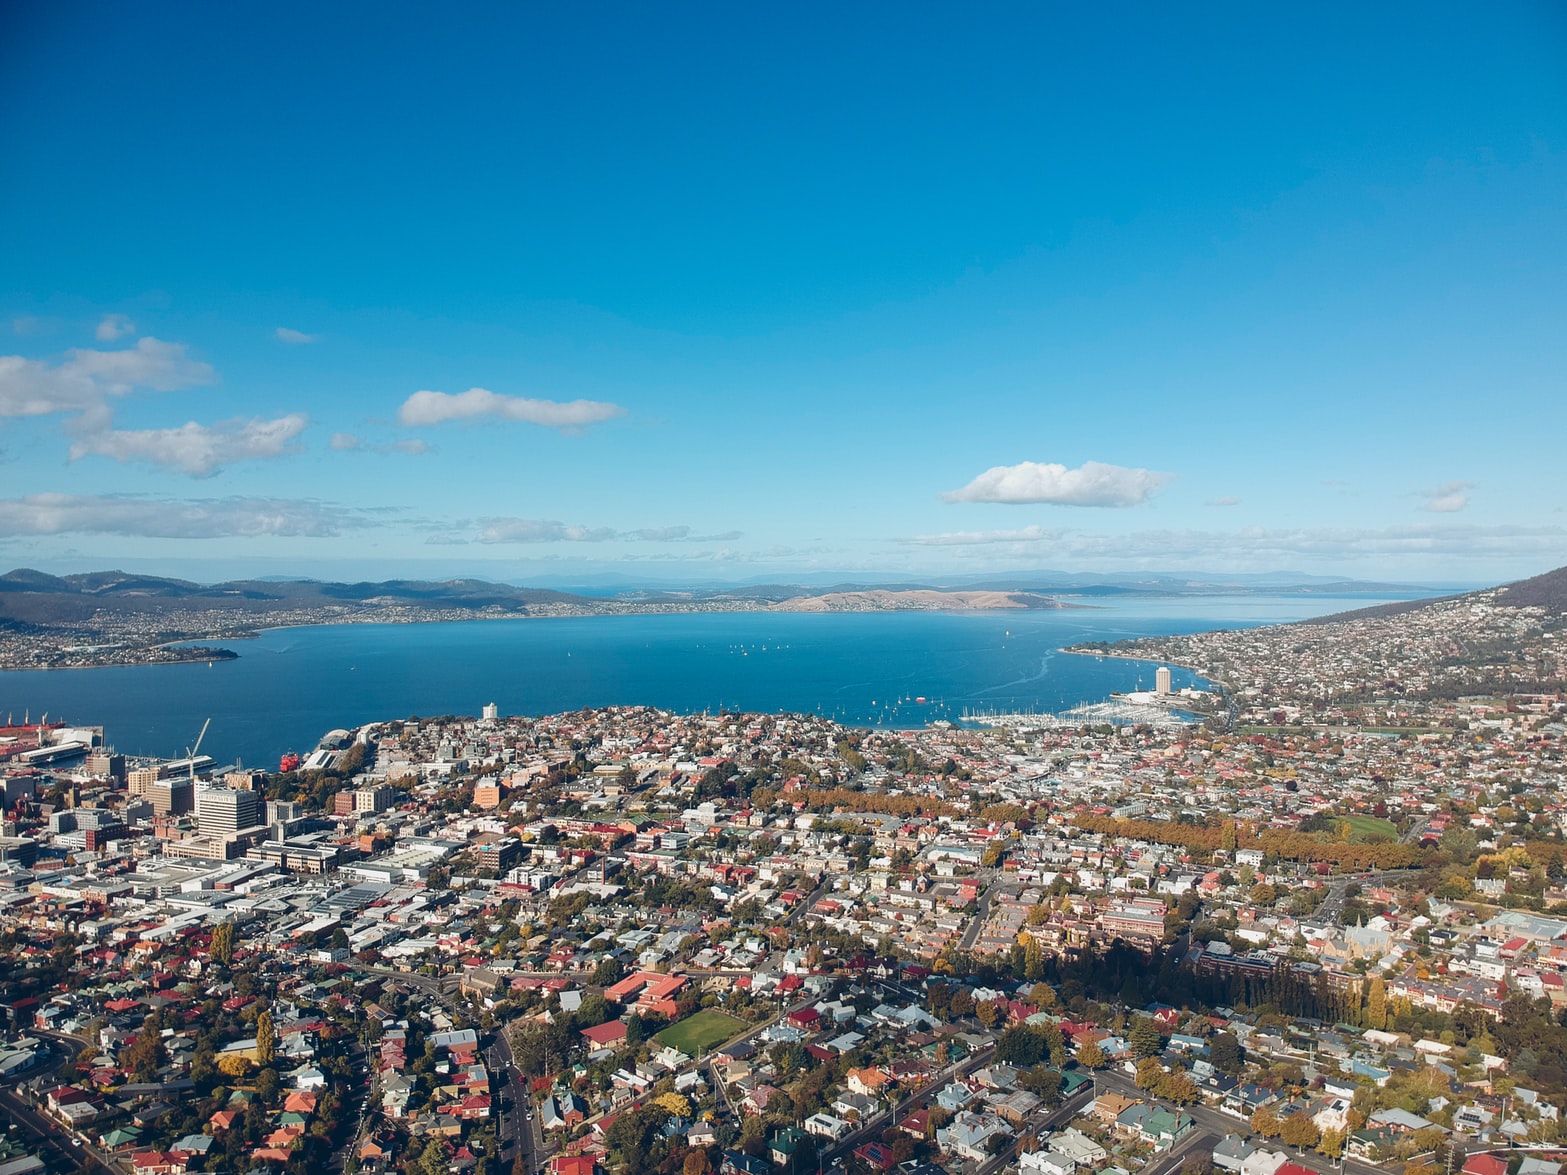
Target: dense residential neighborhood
[{"x": 1315, "y": 934}]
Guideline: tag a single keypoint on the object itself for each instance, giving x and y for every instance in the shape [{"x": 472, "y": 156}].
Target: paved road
[
  {"x": 981, "y": 915},
  {"x": 1068, "y": 1110},
  {"x": 46, "y": 1135},
  {"x": 1331, "y": 910},
  {"x": 808, "y": 901},
  {"x": 358, "y": 1095},
  {"x": 1170, "y": 1161},
  {"x": 1215, "y": 1121},
  {"x": 871, "y": 1129},
  {"x": 518, "y": 1127}
]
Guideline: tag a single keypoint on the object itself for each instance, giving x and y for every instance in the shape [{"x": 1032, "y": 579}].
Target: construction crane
[{"x": 190, "y": 753}]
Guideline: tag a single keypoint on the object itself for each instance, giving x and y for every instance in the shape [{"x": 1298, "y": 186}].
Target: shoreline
[
  {"x": 252, "y": 634},
  {"x": 1192, "y": 669}
]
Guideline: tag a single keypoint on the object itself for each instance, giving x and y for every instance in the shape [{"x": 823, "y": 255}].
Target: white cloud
[
  {"x": 676, "y": 534},
  {"x": 1092, "y": 484},
  {"x": 294, "y": 337},
  {"x": 347, "y": 442},
  {"x": 538, "y": 530},
  {"x": 34, "y": 387},
  {"x": 113, "y": 327},
  {"x": 1226, "y": 500},
  {"x": 426, "y": 408},
  {"x": 1448, "y": 498},
  {"x": 1258, "y": 547},
  {"x": 197, "y": 449},
  {"x": 981, "y": 538},
  {"x": 49, "y": 514},
  {"x": 151, "y": 363}
]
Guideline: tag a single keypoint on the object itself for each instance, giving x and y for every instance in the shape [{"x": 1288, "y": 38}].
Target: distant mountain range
[
  {"x": 1046, "y": 581},
  {"x": 35, "y": 598},
  {"x": 32, "y": 597}
]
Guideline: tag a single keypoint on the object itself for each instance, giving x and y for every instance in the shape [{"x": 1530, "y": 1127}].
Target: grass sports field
[
  {"x": 697, "y": 1033},
  {"x": 1364, "y": 828}
]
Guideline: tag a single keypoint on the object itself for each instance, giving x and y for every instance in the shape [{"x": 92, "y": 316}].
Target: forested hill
[
  {"x": 37, "y": 598},
  {"x": 1548, "y": 591}
]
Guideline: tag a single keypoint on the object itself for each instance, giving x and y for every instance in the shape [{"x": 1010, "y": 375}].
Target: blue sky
[{"x": 712, "y": 292}]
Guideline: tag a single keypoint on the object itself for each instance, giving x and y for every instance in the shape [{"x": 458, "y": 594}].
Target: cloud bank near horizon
[
  {"x": 538, "y": 530},
  {"x": 162, "y": 518}
]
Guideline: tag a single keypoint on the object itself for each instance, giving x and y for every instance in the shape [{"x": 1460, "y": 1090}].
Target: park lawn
[
  {"x": 701, "y": 1031},
  {"x": 1362, "y": 828}
]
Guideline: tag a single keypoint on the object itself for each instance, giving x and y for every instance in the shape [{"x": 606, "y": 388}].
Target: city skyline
[{"x": 713, "y": 295}]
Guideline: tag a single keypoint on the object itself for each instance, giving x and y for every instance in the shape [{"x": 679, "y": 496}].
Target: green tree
[
  {"x": 1376, "y": 1003},
  {"x": 608, "y": 973},
  {"x": 433, "y": 1160},
  {"x": 1043, "y": 1082},
  {"x": 1145, "y": 1040},
  {"x": 1149, "y": 1073},
  {"x": 1298, "y": 1130},
  {"x": 1332, "y": 1144},
  {"x": 1034, "y": 967},
  {"x": 266, "y": 1039},
  {"x": 1091, "y": 1056},
  {"x": 266, "y": 1084},
  {"x": 1224, "y": 1052},
  {"x": 1176, "y": 1087},
  {"x": 222, "y": 949}
]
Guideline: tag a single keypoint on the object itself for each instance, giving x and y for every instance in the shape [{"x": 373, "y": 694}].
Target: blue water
[{"x": 290, "y": 686}]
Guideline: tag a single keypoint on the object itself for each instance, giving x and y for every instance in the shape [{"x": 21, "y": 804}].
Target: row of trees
[{"x": 1289, "y": 846}]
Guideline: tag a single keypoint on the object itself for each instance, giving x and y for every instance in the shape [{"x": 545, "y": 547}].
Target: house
[
  {"x": 1163, "y": 1128},
  {"x": 1245, "y": 1100},
  {"x": 756, "y": 1102},
  {"x": 854, "y": 1106},
  {"x": 562, "y": 1111},
  {"x": 1015, "y": 1106},
  {"x": 1130, "y": 1120},
  {"x": 969, "y": 1134},
  {"x": 572, "y": 1165},
  {"x": 1110, "y": 1106},
  {"x": 1262, "y": 1162},
  {"x": 1485, "y": 1165},
  {"x": 783, "y": 1145},
  {"x": 805, "y": 1019},
  {"x": 1401, "y": 1121},
  {"x": 870, "y": 1082},
  {"x": 1045, "y": 1162},
  {"x": 1078, "y": 1147},
  {"x": 955, "y": 1097},
  {"x": 875, "y": 1156},
  {"x": 610, "y": 1034},
  {"x": 1330, "y": 1113},
  {"x": 1372, "y": 1143},
  {"x": 1231, "y": 1151},
  {"x": 740, "y": 1163},
  {"x": 826, "y": 1126}
]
